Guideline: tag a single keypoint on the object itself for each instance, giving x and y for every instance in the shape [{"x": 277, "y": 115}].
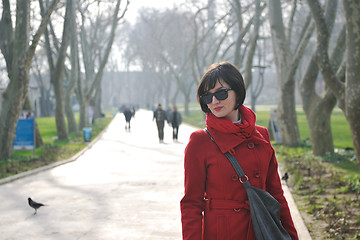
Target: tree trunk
[
  {"x": 352, "y": 92},
  {"x": 11, "y": 108},
  {"x": 15, "y": 93},
  {"x": 286, "y": 112},
  {"x": 318, "y": 112},
  {"x": 319, "y": 119},
  {"x": 74, "y": 59},
  {"x": 59, "y": 109},
  {"x": 84, "y": 112},
  {"x": 97, "y": 103},
  {"x": 57, "y": 77},
  {"x": 69, "y": 112}
]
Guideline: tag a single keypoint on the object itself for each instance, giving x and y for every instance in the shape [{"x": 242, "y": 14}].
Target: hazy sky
[{"x": 135, "y": 5}]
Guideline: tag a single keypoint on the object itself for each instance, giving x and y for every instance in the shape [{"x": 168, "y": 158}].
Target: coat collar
[{"x": 228, "y": 135}]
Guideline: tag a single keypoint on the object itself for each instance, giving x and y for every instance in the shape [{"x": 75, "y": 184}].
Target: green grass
[
  {"x": 47, "y": 129},
  {"x": 196, "y": 118},
  {"x": 53, "y": 149}
]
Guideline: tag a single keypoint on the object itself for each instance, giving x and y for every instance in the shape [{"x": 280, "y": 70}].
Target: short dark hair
[{"x": 229, "y": 74}]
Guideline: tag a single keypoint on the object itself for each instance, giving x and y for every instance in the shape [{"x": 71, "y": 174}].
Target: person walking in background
[
  {"x": 160, "y": 117},
  {"x": 175, "y": 119},
  {"x": 215, "y": 203},
  {"x": 128, "y": 115}
]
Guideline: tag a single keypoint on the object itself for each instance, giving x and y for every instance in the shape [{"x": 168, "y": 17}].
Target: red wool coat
[{"x": 214, "y": 206}]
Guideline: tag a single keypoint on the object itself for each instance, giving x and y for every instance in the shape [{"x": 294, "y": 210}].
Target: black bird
[
  {"x": 34, "y": 204},
  {"x": 285, "y": 177}
]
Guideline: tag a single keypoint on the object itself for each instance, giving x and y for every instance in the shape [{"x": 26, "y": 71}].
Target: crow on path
[
  {"x": 34, "y": 204},
  {"x": 285, "y": 177}
]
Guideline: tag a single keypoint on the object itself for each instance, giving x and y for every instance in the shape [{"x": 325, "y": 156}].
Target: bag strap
[{"x": 234, "y": 163}]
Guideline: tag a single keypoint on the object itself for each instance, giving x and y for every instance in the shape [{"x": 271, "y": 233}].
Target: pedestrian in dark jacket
[
  {"x": 128, "y": 115},
  {"x": 175, "y": 119},
  {"x": 160, "y": 117},
  {"x": 215, "y": 203}
]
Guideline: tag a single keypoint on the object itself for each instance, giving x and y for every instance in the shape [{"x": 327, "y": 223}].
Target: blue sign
[{"x": 24, "y": 139}]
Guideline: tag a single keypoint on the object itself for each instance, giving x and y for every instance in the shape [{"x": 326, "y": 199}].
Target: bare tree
[
  {"x": 286, "y": 62},
  {"x": 18, "y": 54},
  {"x": 318, "y": 107},
  {"x": 95, "y": 56},
  {"x": 347, "y": 92}
]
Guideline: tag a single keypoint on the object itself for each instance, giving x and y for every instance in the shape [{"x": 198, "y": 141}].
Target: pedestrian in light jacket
[{"x": 215, "y": 204}]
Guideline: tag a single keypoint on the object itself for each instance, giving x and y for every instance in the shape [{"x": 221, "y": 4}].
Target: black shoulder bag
[{"x": 264, "y": 208}]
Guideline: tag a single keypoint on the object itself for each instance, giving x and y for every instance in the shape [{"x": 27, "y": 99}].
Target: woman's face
[{"x": 224, "y": 108}]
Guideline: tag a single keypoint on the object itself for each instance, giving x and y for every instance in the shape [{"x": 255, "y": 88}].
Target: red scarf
[{"x": 228, "y": 135}]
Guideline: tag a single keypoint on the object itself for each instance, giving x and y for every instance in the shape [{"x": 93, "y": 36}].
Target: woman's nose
[{"x": 214, "y": 100}]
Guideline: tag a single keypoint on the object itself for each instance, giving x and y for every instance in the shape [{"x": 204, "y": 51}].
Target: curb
[
  {"x": 55, "y": 164},
  {"x": 302, "y": 231}
]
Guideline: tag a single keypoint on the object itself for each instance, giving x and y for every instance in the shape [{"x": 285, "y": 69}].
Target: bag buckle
[{"x": 242, "y": 181}]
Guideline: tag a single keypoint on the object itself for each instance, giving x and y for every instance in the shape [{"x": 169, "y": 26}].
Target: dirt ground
[{"x": 328, "y": 200}]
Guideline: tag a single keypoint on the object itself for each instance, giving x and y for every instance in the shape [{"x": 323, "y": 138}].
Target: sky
[{"x": 135, "y": 5}]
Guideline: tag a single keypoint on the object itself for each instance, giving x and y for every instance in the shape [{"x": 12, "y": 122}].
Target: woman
[{"x": 215, "y": 204}]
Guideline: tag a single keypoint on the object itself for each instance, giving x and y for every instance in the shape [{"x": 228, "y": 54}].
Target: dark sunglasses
[{"x": 220, "y": 95}]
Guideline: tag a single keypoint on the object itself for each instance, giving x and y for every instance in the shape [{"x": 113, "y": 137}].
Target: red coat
[{"x": 214, "y": 205}]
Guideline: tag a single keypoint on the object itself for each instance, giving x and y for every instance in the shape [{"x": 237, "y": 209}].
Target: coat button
[
  {"x": 257, "y": 175},
  {"x": 234, "y": 178},
  {"x": 250, "y": 145}
]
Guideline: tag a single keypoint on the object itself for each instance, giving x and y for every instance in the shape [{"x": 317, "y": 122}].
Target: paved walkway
[{"x": 124, "y": 186}]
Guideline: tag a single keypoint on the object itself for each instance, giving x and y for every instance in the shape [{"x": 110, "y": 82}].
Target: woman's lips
[{"x": 217, "y": 109}]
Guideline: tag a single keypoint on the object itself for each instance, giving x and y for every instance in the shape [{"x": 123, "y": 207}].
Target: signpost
[{"x": 25, "y": 134}]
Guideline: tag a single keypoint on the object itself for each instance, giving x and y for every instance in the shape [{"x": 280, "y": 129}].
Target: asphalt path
[{"x": 124, "y": 185}]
